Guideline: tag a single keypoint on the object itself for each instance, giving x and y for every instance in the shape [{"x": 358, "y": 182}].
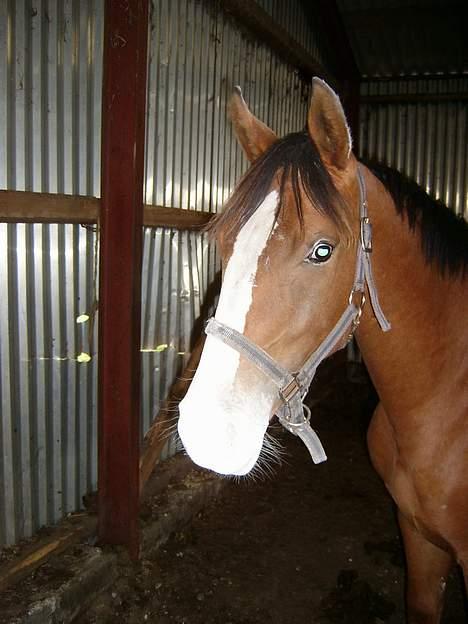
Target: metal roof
[{"x": 407, "y": 37}]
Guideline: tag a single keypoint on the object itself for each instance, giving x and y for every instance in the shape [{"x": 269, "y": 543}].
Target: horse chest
[{"x": 419, "y": 489}]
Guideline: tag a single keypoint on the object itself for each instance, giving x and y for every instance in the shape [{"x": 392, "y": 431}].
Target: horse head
[{"x": 287, "y": 244}]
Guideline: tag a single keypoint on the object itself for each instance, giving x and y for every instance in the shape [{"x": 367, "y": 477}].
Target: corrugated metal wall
[
  {"x": 426, "y": 140},
  {"x": 293, "y": 18},
  {"x": 50, "y": 111},
  {"x": 51, "y": 67}
]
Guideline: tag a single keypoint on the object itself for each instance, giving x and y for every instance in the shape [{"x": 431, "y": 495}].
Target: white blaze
[{"x": 222, "y": 426}]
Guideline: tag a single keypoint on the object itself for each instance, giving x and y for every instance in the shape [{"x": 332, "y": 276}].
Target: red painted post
[{"x": 123, "y": 133}]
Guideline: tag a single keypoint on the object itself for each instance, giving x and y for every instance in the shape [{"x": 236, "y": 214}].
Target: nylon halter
[{"x": 293, "y": 414}]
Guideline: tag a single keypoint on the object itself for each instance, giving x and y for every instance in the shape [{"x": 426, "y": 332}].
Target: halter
[{"x": 293, "y": 414}]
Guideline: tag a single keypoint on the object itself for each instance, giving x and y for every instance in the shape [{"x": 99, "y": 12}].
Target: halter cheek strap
[
  {"x": 363, "y": 272},
  {"x": 293, "y": 387}
]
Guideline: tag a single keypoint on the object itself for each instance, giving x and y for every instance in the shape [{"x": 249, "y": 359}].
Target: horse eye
[{"x": 321, "y": 252}]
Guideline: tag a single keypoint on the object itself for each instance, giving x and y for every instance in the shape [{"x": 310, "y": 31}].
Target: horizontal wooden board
[{"x": 26, "y": 207}]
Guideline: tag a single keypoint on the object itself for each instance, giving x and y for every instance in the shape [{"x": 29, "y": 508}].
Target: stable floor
[{"x": 315, "y": 544}]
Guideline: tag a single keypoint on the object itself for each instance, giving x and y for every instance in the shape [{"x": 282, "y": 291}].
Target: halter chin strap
[{"x": 293, "y": 414}]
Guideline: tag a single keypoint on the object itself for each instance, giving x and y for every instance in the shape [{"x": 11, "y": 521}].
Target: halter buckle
[
  {"x": 290, "y": 390},
  {"x": 366, "y": 234}
]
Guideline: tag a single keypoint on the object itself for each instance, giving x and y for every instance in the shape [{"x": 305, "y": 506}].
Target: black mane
[
  {"x": 443, "y": 234},
  {"x": 295, "y": 159}
]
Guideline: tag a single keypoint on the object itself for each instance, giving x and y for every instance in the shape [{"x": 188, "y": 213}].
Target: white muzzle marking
[{"x": 222, "y": 422}]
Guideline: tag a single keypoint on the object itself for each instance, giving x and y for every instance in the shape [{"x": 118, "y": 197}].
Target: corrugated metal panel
[
  {"x": 425, "y": 140},
  {"x": 50, "y": 107},
  {"x": 51, "y": 66},
  {"x": 292, "y": 17},
  {"x": 47, "y": 386},
  {"x": 196, "y": 58},
  {"x": 177, "y": 271}
]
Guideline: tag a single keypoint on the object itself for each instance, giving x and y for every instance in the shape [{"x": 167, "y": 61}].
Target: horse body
[
  {"x": 296, "y": 285},
  {"x": 417, "y": 437},
  {"x": 420, "y": 368}
]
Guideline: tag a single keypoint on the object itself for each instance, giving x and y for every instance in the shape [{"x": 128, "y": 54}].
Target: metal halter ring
[
  {"x": 361, "y": 303},
  {"x": 357, "y": 318},
  {"x": 305, "y": 421}
]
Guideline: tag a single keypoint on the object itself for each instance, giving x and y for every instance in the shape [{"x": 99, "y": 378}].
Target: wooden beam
[
  {"x": 328, "y": 16},
  {"x": 351, "y": 99},
  {"x": 26, "y": 207},
  {"x": 160, "y": 216},
  {"x": 371, "y": 19},
  {"x": 70, "y": 532},
  {"x": 258, "y": 22},
  {"x": 414, "y": 98},
  {"x": 417, "y": 77},
  {"x": 122, "y": 173}
]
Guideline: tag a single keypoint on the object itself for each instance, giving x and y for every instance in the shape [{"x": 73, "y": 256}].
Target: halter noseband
[{"x": 293, "y": 414}]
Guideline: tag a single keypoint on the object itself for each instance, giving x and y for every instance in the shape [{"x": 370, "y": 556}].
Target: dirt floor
[{"x": 315, "y": 544}]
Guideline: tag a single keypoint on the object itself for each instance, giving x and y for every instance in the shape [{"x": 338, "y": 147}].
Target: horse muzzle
[{"x": 220, "y": 439}]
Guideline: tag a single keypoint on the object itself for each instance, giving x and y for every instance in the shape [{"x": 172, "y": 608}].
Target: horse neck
[{"x": 424, "y": 348}]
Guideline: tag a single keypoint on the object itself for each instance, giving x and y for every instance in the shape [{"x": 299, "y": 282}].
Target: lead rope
[{"x": 294, "y": 415}]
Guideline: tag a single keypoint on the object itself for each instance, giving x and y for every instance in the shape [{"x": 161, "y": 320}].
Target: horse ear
[
  {"x": 328, "y": 127},
  {"x": 253, "y": 135}
]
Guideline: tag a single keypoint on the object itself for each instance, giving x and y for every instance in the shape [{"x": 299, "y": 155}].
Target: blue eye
[{"x": 320, "y": 253}]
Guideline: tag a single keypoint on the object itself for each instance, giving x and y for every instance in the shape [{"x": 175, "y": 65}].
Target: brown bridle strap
[{"x": 293, "y": 387}]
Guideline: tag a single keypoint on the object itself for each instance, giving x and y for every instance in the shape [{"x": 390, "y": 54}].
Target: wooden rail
[
  {"x": 26, "y": 207},
  {"x": 414, "y": 98}
]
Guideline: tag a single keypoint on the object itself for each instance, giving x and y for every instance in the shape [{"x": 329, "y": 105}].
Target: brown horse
[{"x": 290, "y": 239}]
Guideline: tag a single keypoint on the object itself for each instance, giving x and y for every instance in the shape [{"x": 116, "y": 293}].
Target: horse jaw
[{"x": 223, "y": 417}]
